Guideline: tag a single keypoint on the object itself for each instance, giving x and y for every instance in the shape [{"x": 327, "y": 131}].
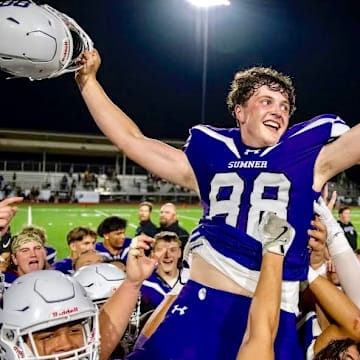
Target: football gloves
[{"x": 276, "y": 234}]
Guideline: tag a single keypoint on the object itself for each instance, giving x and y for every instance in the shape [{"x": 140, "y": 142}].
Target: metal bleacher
[{"x": 43, "y": 159}]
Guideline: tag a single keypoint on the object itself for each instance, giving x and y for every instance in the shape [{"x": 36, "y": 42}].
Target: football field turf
[{"x": 59, "y": 219}]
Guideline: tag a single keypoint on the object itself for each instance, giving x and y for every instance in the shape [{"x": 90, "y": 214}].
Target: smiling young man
[
  {"x": 167, "y": 274},
  {"x": 238, "y": 173}
]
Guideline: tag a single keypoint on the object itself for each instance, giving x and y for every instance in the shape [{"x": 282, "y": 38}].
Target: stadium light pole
[{"x": 205, "y": 5}]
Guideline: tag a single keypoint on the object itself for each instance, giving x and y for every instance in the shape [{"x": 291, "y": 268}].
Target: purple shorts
[{"x": 205, "y": 323}]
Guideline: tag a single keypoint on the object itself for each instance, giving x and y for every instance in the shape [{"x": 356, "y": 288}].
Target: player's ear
[
  {"x": 72, "y": 246},
  {"x": 238, "y": 114},
  {"x": 14, "y": 260}
]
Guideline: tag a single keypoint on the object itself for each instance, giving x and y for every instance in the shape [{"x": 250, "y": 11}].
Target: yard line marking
[
  {"x": 113, "y": 213},
  {"x": 105, "y": 214},
  {"x": 189, "y": 218},
  {"x": 101, "y": 212},
  {"x": 29, "y": 216}
]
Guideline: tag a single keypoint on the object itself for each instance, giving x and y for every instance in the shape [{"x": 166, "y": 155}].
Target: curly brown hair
[
  {"x": 246, "y": 82},
  {"x": 335, "y": 350}
]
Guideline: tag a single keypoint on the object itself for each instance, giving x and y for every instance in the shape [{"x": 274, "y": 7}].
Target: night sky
[{"x": 152, "y": 62}]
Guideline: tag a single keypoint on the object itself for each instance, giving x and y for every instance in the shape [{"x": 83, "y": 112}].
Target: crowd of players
[
  {"x": 100, "y": 268},
  {"x": 28, "y": 251}
]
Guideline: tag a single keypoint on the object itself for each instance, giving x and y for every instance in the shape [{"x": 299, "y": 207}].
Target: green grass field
[{"x": 58, "y": 220}]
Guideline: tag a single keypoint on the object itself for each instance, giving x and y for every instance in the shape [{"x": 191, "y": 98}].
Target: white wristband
[
  {"x": 322, "y": 270},
  {"x": 338, "y": 243},
  {"x": 312, "y": 275}
]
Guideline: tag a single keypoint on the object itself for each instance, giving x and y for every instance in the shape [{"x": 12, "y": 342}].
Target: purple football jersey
[{"x": 238, "y": 183}]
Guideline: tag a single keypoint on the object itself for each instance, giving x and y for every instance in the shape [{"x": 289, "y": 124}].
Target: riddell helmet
[
  {"x": 38, "y": 301},
  {"x": 100, "y": 280},
  {"x": 39, "y": 42}
]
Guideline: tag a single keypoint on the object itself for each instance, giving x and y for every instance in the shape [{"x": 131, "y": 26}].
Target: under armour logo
[
  {"x": 180, "y": 310},
  {"x": 249, "y": 151}
]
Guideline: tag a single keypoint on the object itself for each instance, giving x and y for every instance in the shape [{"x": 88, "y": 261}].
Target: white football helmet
[
  {"x": 38, "y": 301},
  {"x": 100, "y": 280},
  {"x": 39, "y": 42}
]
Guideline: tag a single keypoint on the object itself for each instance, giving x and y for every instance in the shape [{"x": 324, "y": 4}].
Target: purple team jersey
[
  {"x": 238, "y": 183},
  {"x": 121, "y": 256}
]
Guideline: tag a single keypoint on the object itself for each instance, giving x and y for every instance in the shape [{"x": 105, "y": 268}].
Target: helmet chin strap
[{"x": 133, "y": 330}]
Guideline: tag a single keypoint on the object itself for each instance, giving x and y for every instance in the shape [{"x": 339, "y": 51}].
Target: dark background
[{"x": 152, "y": 62}]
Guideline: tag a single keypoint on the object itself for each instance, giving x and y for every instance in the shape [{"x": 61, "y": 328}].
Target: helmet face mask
[
  {"x": 54, "y": 303},
  {"x": 38, "y": 41}
]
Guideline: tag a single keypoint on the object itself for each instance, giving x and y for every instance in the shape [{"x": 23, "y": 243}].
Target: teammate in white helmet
[
  {"x": 100, "y": 280},
  {"x": 48, "y": 315}
]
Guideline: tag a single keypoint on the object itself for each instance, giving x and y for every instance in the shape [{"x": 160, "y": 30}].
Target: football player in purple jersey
[
  {"x": 116, "y": 244},
  {"x": 167, "y": 274},
  {"x": 239, "y": 173}
]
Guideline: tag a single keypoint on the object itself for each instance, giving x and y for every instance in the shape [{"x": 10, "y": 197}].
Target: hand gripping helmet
[
  {"x": 39, "y": 42},
  {"x": 100, "y": 280},
  {"x": 38, "y": 301}
]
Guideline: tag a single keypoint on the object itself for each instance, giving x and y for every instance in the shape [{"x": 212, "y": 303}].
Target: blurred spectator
[
  {"x": 34, "y": 194},
  {"x": 349, "y": 229},
  {"x": 169, "y": 222},
  {"x": 54, "y": 197},
  {"x": 87, "y": 177},
  {"x": 146, "y": 226},
  {"x": 64, "y": 183},
  {"x": 137, "y": 184},
  {"x": 7, "y": 189},
  {"x": 117, "y": 183},
  {"x": 14, "y": 177}
]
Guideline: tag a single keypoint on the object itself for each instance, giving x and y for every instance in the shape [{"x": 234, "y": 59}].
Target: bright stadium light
[
  {"x": 205, "y": 5},
  {"x": 209, "y": 3}
]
